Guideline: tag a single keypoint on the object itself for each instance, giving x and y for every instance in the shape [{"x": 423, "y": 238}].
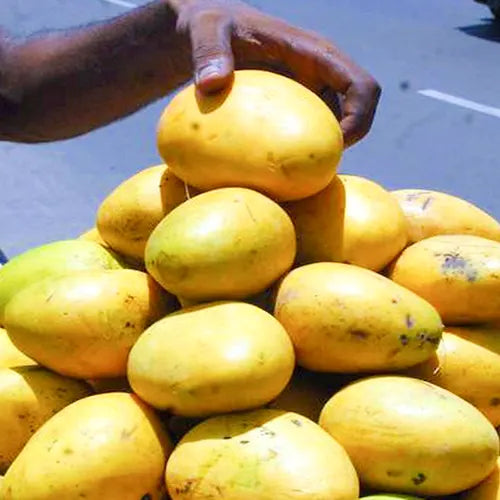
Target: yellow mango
[
  {"x": 84, "y": 325},
  {"x": 467, "y": 363},
  {"x": 213, "y": 358},
  {"x": 406, "y": 435},
  {"x": 353, "y": 220},
  {"x": 10, "y": 355},
  {"x": 260, "y": 455},
  {"x": 458, "y": 274},
  {"x": 93, "y": 234},
  {"x": 29, "y": 396},
  {"x": 106, "y": 447},
  {"x": 225, "y": 244},
  {"x": 266, "y": 132},
  {"x": 344, "y": 318},
  {"x": 431, "y": 213},
  {"x": 127, "y": 217}
]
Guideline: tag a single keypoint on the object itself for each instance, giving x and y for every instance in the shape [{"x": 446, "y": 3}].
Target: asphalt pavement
[{"x": 438, "y": 124}]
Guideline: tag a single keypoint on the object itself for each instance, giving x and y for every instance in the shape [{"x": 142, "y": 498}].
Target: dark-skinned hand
[{"x": 229, "y": 34}]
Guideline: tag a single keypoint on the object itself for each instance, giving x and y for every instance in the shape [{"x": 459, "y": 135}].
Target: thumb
[{"x": 213, "y": 59}]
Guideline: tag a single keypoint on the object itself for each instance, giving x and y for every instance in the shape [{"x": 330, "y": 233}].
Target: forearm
[{"x": 66, "y": 83}]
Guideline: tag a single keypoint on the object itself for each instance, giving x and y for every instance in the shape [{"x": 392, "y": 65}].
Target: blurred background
[{"x": 438, "y": 124}]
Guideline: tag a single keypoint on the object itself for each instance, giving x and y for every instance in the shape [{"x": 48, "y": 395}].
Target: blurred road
[{"x": 438, "y": 124}]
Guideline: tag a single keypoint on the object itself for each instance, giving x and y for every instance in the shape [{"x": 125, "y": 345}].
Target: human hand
[{"x": 229, "y": 34}]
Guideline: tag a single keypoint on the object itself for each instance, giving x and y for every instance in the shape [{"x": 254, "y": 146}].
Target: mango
[
  {"x": 458, "y": 274},
  {"x": 344, "y": 318},
  {"x": 52, "y": 259},
  {"x": 266, "y": 132},
  {"x": 108, "y": 446},
  {"x": 489, "y": 489},
  {"x": 409, "y": 436},
  {"x": 431, "y": 213},
  {"x": 93, "y": 234},
  {"x": 226, "y": 244},
  {"x": 467, "y": 363},
  {"x": 213, "y": 358},
  {"x": 353, "y": 220},
  {"x": 29, "y": 396},
  {"x": 10, "y": 355},
  {"x": 390, "y": 496},
  {"x": 260, "y": 455},
  {"x": 84, "y": 325},
  {"x": 128, "y": 215}
]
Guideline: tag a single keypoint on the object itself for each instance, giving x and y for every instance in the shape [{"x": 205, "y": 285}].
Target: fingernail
[{"x": 212, "y": 70}]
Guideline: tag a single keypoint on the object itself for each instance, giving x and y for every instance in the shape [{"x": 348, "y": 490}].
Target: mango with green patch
[
  {"x": 52, "y": 259},
  {"x": 229, "y": 243},
  {"x": 260, "y": 455},
  {"x": 84, "y": 325}
]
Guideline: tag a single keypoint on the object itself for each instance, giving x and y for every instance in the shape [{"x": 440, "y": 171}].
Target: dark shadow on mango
[
  {"x": 219, "y": 435},
  {"x": 319, "y": 223},
  {"x": 169, "y": 302},
  {"x": 211, "y": 102},
  {"x": 308, "y": 392}
]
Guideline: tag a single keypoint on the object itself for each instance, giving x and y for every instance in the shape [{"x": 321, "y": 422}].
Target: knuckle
[
  {"x": 369, "y": 86},
  {"x": 207, "y": 50},
  {"x": 210, "y": 15}
]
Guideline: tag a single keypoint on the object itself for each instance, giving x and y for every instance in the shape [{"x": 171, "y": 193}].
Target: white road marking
[
  {"x": 122, "y": 3},
  {"x": 459, "y": 101}
]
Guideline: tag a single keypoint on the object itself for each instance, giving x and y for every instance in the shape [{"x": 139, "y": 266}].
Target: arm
[{"x": 67, "y": 83}]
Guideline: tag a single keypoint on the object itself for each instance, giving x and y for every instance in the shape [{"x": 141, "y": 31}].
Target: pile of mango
[{"x": 245, "y": 324}]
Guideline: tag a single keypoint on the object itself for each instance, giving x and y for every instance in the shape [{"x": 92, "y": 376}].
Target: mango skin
[
  {"x": 260, "y": 455},
  {"x": 352, "y": 220},
  {"x": 84, "y": 325},
  {"x": 408, "y": 436},
  {"x": 52, "y": 259},
  {"x": 344, "y": 318},
  {"x": 29, "y": 396},
  {"x": 389, "y": 496},
  {"x": 226, "y": 244},
  {"x": 127, "y": 216},
  {"x": 10, "y": 355},
  {"x": 431, "y": 213},
  {"x": 489, "y": 489},
  {"x": 92, "y": 234},
  {"x": 266, "y": 132},
  {"x": 108, "y": 446},
  {"x": 467, "y": 363},
  {"x": 458, "y": 274},
  {"x": 214, "y": 358}
]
